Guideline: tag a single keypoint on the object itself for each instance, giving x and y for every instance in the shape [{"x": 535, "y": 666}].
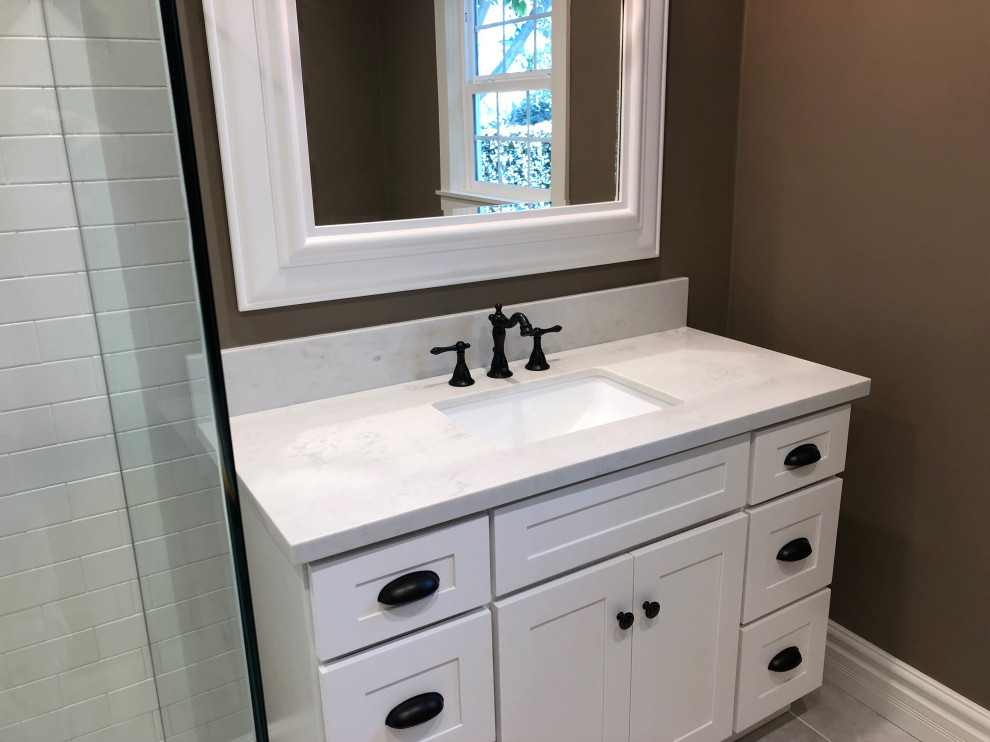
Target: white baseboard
[{"x": 916, "y": 703}]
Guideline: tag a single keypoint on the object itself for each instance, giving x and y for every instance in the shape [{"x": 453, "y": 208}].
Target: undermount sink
[{"x": 535, "y": 411}]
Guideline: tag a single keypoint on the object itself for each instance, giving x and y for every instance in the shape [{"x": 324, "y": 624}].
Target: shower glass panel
[{"x": 120, "y": 617}]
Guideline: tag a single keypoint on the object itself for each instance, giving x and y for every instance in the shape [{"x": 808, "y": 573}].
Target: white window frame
[
  {"x": 457, "y": 84},
  {"x": 282, "y": 257}
]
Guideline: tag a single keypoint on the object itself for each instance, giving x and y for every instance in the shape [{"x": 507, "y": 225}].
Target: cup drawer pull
[
  {"x": 795, "y": 551},
  {"x": 409, "y": 587},
  {"x": 786, "y": 659},
  {"x": 414, "y": 711},
  {"x": 803, "y": 455}
]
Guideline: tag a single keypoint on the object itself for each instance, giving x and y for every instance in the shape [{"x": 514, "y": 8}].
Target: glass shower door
[{"x": 120, "y": 613}]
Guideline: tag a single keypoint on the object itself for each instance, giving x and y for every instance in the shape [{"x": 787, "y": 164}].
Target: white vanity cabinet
[
  {"x": 684, "y": 598},
  {"x": 641, "y": 647}
]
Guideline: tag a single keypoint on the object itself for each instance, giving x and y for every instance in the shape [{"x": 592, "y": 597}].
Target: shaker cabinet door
[
  {"x": 563, "y": 658},
  {"x": 687, "y": 597}
]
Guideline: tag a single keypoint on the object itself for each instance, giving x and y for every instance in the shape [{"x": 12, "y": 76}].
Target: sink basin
[{"x": 536, "y": 411}]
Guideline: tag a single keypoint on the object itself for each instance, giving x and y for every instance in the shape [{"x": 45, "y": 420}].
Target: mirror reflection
[{"x": 425, "y": 108}]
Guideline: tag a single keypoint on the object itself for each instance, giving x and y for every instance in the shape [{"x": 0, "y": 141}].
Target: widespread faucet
[{"x": 500, "y": 323}]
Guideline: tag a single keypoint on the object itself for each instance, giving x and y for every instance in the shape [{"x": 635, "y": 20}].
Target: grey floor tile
[
  {"x": 785, "y": 728},
  {"x": 841, "y": 718}
]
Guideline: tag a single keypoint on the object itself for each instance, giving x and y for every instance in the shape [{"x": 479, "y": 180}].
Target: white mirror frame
[{"x": 282, "y": 257}]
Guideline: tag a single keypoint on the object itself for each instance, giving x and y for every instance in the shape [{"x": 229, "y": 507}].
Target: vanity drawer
[
  {"x": 570, "y": 527},
  {"x": 793, "y": 639},
  {"x": 347, "y": 614},
  {"x": 816, "y": 444},
  {"x": 453, "y": 660},
  {"x": 791, "y": 548}
]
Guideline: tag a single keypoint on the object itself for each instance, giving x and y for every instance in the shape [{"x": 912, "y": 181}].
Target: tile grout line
[{"x": 809, "y": 726}]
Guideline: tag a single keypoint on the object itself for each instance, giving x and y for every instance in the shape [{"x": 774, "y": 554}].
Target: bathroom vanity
[{"x": 660, "y": 577}]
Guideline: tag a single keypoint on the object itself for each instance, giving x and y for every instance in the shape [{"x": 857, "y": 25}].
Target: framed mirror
[{"x": 373, "y": 146}]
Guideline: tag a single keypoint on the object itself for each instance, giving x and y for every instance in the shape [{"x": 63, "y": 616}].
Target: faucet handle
[
  {"x": 462, "y": 376},
  {"x": 537, "y": 359}
]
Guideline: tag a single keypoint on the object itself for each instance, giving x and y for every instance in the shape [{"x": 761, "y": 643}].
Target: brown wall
[
  {"x": 594, "y": 79},
  {"x": 703, "y": 76},
  {"x": 862, "y": 241},
  {"x": 344, "y": 110},
  {"x": 368, "y": 67}
]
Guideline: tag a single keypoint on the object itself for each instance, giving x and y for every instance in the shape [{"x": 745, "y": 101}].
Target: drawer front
[
  {"x": 791, "y": 548},
  {"x": 825, "y": 433},
  {"x": 347, "y": 614},
  {"x": 453, "y": 660},
  {"x": 793, "y": 640},
  {"x": 564, "y": 529}
]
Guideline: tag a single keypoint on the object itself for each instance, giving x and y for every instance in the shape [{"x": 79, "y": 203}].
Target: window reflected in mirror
[{"x": 425, "y": 108}]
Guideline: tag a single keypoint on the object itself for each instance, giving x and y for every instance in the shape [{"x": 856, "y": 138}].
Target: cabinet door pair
[{"x": 568, "y": 670}]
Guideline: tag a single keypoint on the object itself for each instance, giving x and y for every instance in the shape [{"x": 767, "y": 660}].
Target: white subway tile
[
  {"x": 123, "y": 330},
  {"x": 128, "y": 245},
  {"x": 18, "y": 345},
  {"x": 143, "y": 286},
  {"x": 26, "y": 511},
  {"x": 207, "y": 707},
  {"x": 5, "y": 681},
  {"x": 39, "y": 586},
  {"x": 149, "y": 484},
  {"x": 186, "y": 582},
  {"x": 37, "y": 206},
  {"x": 6, "y": 477},
  {"x": 160, "y": 443},
  {"x": 107, "y": 62},
  {"x": 223, "y": 669},
  {"x": 140, "y": 729},
  {"x": 121, "y": 636},
  {"x": 195, "y": 646},
  {"x": 236, "y": 727},
  {"x": 85, "y": 418},
  {"x": 22, "y": 629},
  {"x": 159, "y": 554},
  {"x": 175, "y": 323},
  {"x": 89, "y": 609},
  {"x": 175, "y": 514},
  {"x": 10, "y": 257},
  {"x": 64, "y": 724},
  {"x": 51, "y": 251},
  {"x": 24, "y": 62},
  {"x": 28, "y": 111},
  {"x": 47, "y": 383},
  {"x": 37, "y": 159},
  {"x": 111, "y": 567},
  {"x": 96, "y": 156},
  {"x": 102, "y": 18},
  {"x": 39, "y": 297},
  {"x": 149, "y": 367},
  {"x": 103, "y": 676},
  {"x": 114, "y": 201},
  {"x": 29, "y": 428},
  {"x": 52, "y": 657},
  {"x": 33, "y": 699},
  {"x": 115, "y": 110},
  {"x": 134, "y": 700},
  {"x": 205, "y": 542},
  {"x": 64, "y": 462},
  {"x": 21, "y": 18},
  {"x": 151, "y": 155},
  {"x": 66, "y": 338},
  {"x": 97, "y": 495},
  {"x": 195, "y": 474},
  {"x": 83, "y": 537},
  {"x": 144, "y": 408}
]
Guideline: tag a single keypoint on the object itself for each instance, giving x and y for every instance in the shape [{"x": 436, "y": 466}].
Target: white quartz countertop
[{"x": 345, "y": 472}]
